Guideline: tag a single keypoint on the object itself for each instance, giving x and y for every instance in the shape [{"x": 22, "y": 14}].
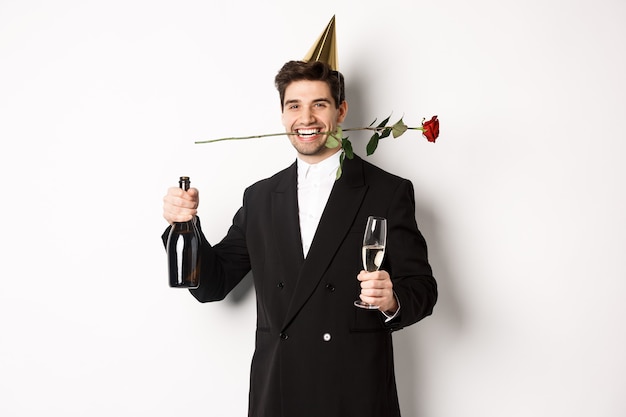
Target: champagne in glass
[{"x": 373, "y": 250}]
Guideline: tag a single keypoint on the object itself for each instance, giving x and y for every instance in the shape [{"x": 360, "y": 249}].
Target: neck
[{"x": 315, "y": 159}]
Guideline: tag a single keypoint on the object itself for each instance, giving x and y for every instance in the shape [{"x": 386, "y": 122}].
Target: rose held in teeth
[{"x": 309, "y": 113}]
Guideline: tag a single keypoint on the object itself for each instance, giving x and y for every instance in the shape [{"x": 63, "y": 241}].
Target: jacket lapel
[
  {"x": 285, "y": 220},
  {"x": 343, "y": 204}
]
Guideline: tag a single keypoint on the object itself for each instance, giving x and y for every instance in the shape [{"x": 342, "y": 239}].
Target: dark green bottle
[{"x": 183, "y": 251}]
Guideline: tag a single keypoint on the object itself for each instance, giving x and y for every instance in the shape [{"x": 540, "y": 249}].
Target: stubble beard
[{"x": 311, "y": 148}]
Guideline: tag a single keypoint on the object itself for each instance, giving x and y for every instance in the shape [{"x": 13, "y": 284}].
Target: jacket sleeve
[
  {"x": 224, "y": 265},
  {"x": 407, "y": 260}
]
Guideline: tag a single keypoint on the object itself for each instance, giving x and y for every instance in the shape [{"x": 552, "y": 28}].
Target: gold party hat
[{"x": 325, "y": 48}]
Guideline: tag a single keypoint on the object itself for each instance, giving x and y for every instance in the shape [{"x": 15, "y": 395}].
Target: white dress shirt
[{"x": 315, "y": 183}]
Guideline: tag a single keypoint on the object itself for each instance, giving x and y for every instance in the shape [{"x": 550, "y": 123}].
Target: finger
[
  {"x": 373, "y": 276},
  {"x": 180, "y": 201},
  {"x": 377, "y": 285},
  {"x": 373, "y": 300},
  {"x": 193, "y": 193},
  {"x": 372, "y": 292},
  {"x": 174, "y": 213}
]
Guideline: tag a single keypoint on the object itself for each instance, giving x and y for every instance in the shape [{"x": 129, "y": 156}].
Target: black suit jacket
[{"x": 317, "y": 354}]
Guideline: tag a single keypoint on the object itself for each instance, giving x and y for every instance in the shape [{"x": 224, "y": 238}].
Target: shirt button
[{"x": 326, "y": 337}]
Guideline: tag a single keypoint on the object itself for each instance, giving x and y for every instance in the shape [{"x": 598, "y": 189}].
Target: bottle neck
[{"x": 183, "y": 183}]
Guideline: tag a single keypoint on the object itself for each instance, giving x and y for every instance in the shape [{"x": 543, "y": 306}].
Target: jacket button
[
  {"x": 280, "y": 285},
  {"x": 326, "y": 337},
  {"x": 284, "y": 336},
  {"x": 330, "y": 287}
]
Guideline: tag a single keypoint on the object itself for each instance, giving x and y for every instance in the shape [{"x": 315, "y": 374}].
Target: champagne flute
[{"x": 373, "y": 250}]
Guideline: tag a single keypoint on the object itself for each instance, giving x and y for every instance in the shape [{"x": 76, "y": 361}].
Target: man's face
[{"x": 309, "y": 109}]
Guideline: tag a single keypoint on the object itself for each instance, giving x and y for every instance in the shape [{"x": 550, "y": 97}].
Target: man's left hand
[{"x": 377, "y": 289}]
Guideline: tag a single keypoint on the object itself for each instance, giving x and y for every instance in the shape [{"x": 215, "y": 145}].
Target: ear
[{"x": 343, "y": 111}]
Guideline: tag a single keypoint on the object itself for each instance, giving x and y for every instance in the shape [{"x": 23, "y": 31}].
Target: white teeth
[{"x": 307, "y": 132}]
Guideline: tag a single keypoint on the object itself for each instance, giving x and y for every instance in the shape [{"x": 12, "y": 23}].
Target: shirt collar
[{"x": 326, "y": 167}]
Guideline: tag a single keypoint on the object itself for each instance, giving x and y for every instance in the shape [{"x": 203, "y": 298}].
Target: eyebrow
[{"x": 317, "y": 100}]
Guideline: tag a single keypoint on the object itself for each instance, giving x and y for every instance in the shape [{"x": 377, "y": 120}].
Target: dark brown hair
[{"x": 311, "y": 71}]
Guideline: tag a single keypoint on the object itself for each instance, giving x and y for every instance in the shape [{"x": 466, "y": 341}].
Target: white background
[{"x": 521, "y": 199}]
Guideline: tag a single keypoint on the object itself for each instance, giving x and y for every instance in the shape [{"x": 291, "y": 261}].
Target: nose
[{"x": 307, "y": 116}]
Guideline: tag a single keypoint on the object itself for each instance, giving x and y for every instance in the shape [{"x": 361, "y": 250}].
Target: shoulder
[
  {"x": 280, "y": 179},
  {"x": 372, "y": 174}
]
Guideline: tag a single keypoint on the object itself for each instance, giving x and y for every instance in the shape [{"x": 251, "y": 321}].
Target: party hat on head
[{"x": 325, "y": 48}]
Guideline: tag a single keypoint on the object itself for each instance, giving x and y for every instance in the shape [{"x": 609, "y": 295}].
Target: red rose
[{"x": 431, "y": 129}]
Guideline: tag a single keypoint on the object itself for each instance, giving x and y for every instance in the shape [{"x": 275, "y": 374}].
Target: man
[{"x": 300, "y": 232}]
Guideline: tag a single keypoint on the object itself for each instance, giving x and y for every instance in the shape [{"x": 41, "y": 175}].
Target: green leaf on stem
[
  {"x": 386, "y": 132},
  {"x": 399, "y": 128},
  {"x": 334, "y": 139},
  {"x": 331, "y": 141},
  {"x": 347, "y": 148},
  {"x": 372, "y": 144},
  {"x": 384, "y": 122},
  {"x": 340, "y": 169}
]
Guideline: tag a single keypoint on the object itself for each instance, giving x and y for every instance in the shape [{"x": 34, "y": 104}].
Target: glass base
[{"x": 366, "y": 306}]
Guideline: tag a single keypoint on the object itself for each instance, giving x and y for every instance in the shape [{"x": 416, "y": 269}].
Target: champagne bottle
[{"x": 183, "y": 251}]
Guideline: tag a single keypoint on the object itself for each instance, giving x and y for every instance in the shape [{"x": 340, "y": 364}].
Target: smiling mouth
[{"x": 308, "y": 133}]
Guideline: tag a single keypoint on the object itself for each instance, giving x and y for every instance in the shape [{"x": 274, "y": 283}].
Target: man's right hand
[{"x": 180, "y": 205}]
